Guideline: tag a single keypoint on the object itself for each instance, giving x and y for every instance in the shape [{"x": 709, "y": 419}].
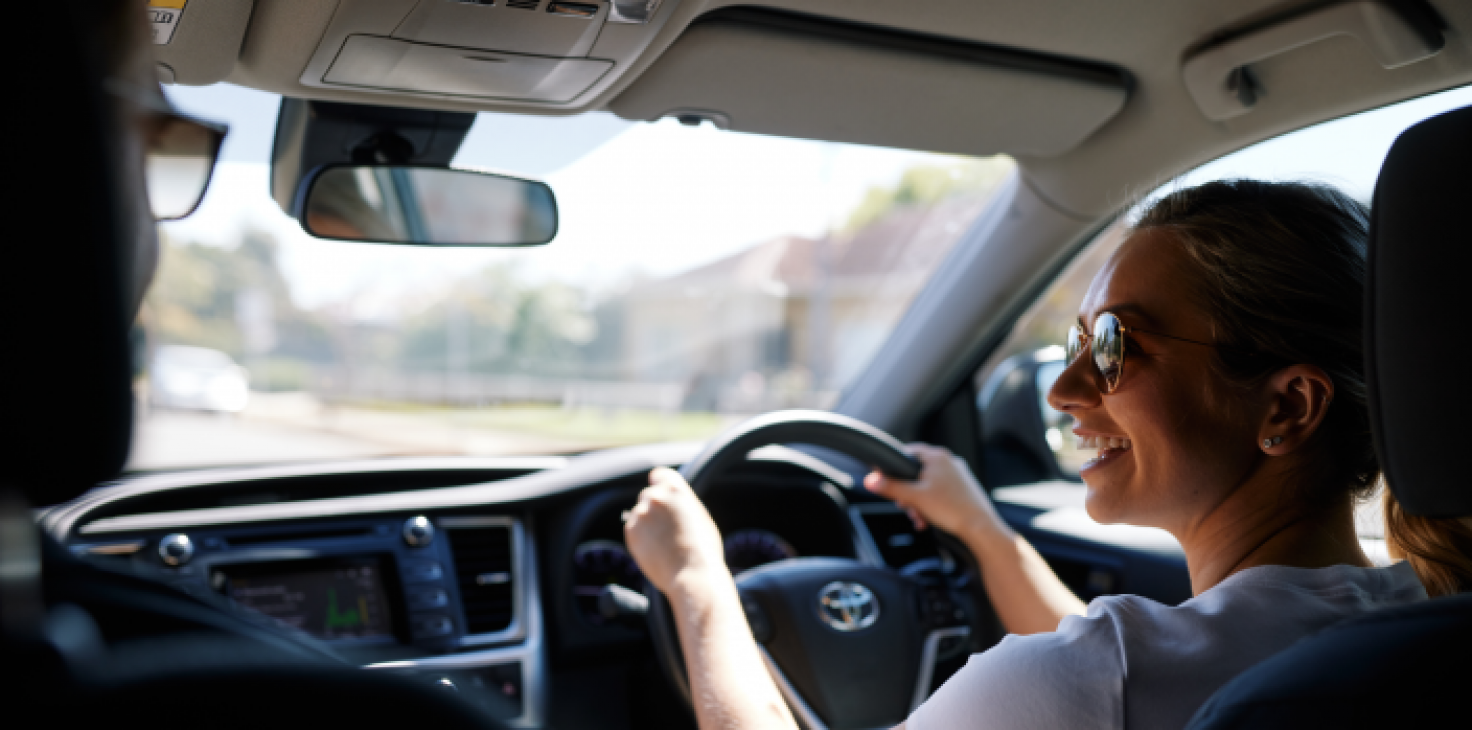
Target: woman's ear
[{"x": 1298, "y": 398}]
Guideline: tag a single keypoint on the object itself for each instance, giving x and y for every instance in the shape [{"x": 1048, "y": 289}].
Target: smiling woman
[{"x": 1222, "y": 385}]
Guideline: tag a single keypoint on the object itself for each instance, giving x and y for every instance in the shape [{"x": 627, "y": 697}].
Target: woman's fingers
[
  {"x": 917, "y": 519},
  {"x": 669, "y": 531},
  {"x": 944, "y": 495}
]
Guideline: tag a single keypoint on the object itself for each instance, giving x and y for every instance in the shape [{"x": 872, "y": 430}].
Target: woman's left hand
[{"x": 671, "y": 535}]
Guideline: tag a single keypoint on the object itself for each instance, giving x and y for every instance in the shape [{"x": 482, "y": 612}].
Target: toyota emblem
[{"x": 847, "y": 606}]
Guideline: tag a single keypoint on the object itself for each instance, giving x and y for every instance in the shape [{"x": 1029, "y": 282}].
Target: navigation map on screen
[{"x": 343, "y": 601}]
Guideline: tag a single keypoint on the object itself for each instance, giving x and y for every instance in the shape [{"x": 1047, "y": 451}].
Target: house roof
[{"x": 909, "y": 242}]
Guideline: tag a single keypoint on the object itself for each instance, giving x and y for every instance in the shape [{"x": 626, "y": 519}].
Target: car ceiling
[{"x": 1157, "y": 132}]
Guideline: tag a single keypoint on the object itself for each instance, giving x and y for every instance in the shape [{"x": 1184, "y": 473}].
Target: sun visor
[
  {"x": 197, "y": 42},
  {"x": 794, "y": 76}
]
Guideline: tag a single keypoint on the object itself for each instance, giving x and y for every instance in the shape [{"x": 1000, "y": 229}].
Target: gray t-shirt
[{"x": 1134, "y": 663}]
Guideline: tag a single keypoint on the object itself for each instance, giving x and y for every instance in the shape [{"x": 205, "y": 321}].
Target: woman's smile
[{"x": 1110, "y": 448}]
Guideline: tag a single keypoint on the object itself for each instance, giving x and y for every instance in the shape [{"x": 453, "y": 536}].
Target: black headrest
[
  {"x": 1418, "y": 335},
  {"x": 65, "y": 397}
]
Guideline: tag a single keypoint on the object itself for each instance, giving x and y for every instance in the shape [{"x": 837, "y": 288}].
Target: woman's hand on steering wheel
[
  {"x": 945, "y": 495},
  {"x": 671, "y": 535}
]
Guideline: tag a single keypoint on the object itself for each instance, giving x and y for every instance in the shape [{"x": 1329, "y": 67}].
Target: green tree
[{"x": 929, "y": 184}]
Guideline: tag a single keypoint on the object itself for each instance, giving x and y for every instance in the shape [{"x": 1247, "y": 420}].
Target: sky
[
  {"x": 661, "y": 198},
  {"x": 634, "y": 197}
]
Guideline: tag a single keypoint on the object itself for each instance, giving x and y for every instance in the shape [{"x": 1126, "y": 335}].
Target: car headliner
[{"x": 1159, "y": 133}]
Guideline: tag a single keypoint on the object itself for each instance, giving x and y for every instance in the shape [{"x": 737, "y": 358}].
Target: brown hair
[
  {"x": 1440, "y": 549},
  {"x": 1281, "y": 270}
]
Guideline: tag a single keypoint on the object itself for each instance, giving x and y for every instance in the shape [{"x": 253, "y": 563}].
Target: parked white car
[{"x": 197, "y": 378}]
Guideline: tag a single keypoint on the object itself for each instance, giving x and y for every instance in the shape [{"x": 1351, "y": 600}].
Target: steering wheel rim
[{"x": 841, "y": 433}]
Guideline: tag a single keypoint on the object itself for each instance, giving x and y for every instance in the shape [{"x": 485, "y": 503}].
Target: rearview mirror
[{"x": 433, "y": 206}]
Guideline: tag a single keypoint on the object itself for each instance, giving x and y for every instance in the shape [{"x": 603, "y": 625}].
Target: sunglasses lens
[
  {"x": 1073, "y": 344},
  {"x": 178, "y": 165},
  {"x": 1109, "y": 348}
]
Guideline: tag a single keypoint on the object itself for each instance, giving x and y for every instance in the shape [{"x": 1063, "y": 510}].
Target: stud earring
[{"x": 1269, "y": 443}]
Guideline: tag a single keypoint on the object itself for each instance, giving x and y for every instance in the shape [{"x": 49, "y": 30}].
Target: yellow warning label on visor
[{"x": 164, "y": 16}]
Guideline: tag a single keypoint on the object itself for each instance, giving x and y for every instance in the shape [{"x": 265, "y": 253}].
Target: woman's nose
[{"x": 1077, "y": 387}]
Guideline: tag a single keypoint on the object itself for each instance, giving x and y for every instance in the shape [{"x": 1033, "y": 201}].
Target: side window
[{"x": 1023, "y": 439}]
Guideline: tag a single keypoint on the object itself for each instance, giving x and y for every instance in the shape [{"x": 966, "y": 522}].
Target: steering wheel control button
[
  {"x": 423, "y": 572},
  {"x": 757, "y": 619},
  {"x": 418, "y": 531},
  {"x": 847, "y": 606},
  {"x": 176, "y": 549},
  {"x": 430, "y": 627},
  {"x": 941, "y": 609},
  {"x": 429, "y": 598}
]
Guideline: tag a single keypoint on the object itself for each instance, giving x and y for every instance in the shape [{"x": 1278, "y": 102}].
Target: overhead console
[
  {"x": 1220, "y": 73},
  {"x": 544, "y": 52},
  {"x": 773, "y": 72}
]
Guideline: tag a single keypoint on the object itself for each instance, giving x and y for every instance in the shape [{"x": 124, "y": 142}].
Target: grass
[{"x": 611, "y": 427}]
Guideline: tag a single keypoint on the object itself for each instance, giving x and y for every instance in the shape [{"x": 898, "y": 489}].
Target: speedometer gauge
[
  {"x": 598, "y": 563},
  {"x": 750, "y": 548}
]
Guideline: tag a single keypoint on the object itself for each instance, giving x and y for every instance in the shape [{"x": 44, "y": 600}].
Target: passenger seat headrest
[{"x": 1418, "y": 325}]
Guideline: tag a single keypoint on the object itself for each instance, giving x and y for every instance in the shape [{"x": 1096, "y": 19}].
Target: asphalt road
[{"x": 174, "y": 440}]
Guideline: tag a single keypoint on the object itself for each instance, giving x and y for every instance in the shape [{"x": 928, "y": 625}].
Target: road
[
  {"x": 295, "y": 427},
  {"x": 171, "y": 440}
]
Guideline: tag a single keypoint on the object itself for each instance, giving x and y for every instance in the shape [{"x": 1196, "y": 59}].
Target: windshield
[{"x": 698, "y": 277}]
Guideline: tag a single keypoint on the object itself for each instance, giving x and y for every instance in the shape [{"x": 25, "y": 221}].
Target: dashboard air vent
[
  {"x": 483, "y": 569},
  {"x": 895, "y": 536},
  {"x": 523, "y": 4}
]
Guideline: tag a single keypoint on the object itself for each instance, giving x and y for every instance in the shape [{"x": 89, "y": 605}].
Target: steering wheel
[{"x": 849, "y": 644}]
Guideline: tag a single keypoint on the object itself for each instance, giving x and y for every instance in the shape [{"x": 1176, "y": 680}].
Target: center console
[{"x": 449, "y": 599}]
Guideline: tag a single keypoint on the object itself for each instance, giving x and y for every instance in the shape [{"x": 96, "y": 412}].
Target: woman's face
[{"x": 1190, "y": 439}]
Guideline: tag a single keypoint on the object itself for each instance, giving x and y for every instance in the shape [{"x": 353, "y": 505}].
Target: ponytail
[{"x": 1439, "y": 549}]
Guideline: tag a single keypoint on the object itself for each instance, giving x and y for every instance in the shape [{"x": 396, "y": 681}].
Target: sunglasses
[
  {"x": 179, "y": 154},
  {"x": 1107, "y": 347}
]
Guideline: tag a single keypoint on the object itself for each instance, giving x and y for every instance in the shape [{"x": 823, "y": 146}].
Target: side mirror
[
  {"x": 427, "y": 206},
  {"x": 1025, "y": 441}
]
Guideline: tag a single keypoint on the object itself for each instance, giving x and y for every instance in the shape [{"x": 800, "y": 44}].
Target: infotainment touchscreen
[{"x": 342, "y": 598}]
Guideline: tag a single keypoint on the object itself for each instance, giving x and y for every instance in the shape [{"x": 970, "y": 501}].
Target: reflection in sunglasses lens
[
  {"x": 1073, "y": 344},
  {"x": 1109, "y": 348}
]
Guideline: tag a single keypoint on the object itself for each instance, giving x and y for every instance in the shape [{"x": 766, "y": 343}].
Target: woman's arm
[
  {"x": 672, "y": 537},
  {"x": 1028, "y": 596}
]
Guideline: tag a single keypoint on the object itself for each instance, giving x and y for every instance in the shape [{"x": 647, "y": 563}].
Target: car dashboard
[{"x": 480, "y": 574}]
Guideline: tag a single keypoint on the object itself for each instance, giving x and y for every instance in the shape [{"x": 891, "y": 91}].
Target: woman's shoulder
[{"x": 1337, "y": 589}]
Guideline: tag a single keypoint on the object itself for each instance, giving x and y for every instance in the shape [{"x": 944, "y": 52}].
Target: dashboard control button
[
  {"x": 429, "y": 627},
  {"x": 422, "y": 572},
  {"x": 429, "y": 598},
  {"x": 418, "y": 531},
  {"x": 175, "y": 549}
]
